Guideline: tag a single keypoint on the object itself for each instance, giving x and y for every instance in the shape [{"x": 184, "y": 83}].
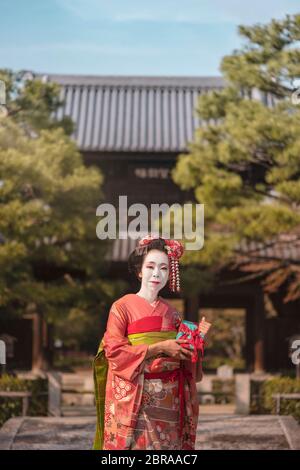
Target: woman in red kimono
[{"x": 145, "y": 382}]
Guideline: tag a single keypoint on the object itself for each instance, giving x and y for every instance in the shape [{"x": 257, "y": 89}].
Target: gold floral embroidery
[{"x": 121, "y": 387}]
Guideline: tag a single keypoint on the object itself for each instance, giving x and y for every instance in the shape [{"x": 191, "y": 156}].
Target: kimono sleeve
[{"x": 124, "y": 360}]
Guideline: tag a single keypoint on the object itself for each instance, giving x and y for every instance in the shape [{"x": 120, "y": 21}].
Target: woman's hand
[
  {"x": 174, "y": 348},
  {"x": 204, "y": 326}
]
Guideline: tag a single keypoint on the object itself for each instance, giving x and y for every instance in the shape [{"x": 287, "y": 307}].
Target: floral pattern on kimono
[{"x": 141, "y": 413}]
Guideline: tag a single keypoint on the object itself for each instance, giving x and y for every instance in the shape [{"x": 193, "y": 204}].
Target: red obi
[{"x": 176, "y": 374}]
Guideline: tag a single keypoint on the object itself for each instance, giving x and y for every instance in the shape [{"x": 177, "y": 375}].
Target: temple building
[{"x": 133, "y": 128}]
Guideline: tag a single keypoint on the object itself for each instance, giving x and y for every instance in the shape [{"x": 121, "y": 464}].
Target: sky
[{"x": 128, "y": 37}]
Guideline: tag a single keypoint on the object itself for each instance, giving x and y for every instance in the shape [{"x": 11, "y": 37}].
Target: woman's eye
[{"x": 151, "y": 267}]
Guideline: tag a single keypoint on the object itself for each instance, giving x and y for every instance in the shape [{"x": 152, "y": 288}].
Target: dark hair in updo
[{"x": 136, "y": 258}]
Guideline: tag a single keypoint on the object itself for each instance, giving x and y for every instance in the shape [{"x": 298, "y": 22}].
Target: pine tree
[
  {"x": 244, "y": 162},
  {"x": 51, "y": 261}
]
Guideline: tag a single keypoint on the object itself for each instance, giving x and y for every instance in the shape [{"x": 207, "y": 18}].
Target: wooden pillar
[
  {"x": 37, "y": 359},
  {"x": 50, "y": 345},
  {"x": 192, "y": 308},
  {"x": 249, "y": 336},
  {"x": 259, "y": 324},
  {"x": 37, "y": 345},
  {"x": 44, "y": 344}
]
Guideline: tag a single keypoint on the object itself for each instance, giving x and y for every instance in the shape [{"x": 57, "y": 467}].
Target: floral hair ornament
[{"x": 175, "y": 250}]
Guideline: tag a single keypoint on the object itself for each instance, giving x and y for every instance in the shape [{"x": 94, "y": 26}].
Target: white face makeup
[{"x": 155, "y": 271}]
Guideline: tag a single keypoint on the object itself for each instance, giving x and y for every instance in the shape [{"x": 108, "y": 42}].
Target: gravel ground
[{"x": 226, "y": 432}]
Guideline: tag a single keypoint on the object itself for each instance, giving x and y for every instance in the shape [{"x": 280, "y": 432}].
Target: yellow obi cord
[{"x": 150, "y": 337}]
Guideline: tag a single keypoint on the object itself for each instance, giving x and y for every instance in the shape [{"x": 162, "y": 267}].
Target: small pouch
[{"x": 189, "y": 331}]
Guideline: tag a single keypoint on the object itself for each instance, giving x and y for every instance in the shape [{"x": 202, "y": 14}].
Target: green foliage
[
  {"x": 270, "y": 59},
  {"x": 80, "y": 328},
  {"x": 194, "y": 281},
  {"x": 262, "y": 391},
  {"x": 32, "y": 103},
  {"x": 212, "y": 362},
  {"x": 48, "y": 201},
  {"x": 226, "y": 339},
  {"x": 38, "y": 402},
  {"x": 244, "y": 162},
  {"x": 51, "y": 261}
]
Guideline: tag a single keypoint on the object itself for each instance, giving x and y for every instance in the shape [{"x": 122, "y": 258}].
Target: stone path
[
  {"x": 233, "y": 432},
  {"x": 223, "y": 431}
]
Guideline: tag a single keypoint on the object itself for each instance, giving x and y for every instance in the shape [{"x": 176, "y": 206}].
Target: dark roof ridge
[{"x": 135, "y": 80}]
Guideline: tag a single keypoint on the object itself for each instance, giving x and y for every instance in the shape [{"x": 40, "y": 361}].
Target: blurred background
[{"x": 194, "y": 104}]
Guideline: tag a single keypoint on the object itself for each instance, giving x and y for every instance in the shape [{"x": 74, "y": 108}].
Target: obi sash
[{"x": 179, "y": 374}]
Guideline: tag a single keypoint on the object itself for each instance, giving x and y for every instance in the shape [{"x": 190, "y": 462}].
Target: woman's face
[{"x": 155, "y": 270}]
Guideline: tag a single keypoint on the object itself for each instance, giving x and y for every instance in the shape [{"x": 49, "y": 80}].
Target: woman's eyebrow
[{"x": 153, "y": 262}]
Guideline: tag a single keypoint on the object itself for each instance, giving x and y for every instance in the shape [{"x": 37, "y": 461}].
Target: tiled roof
[
  {"x": 120, "y": 249},
  {"x": 284, "y": 248},
  {"x": 132, "y": 114}
]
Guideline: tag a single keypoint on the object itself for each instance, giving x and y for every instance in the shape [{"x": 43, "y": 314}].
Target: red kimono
[{"x": 149, "y": 403}]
